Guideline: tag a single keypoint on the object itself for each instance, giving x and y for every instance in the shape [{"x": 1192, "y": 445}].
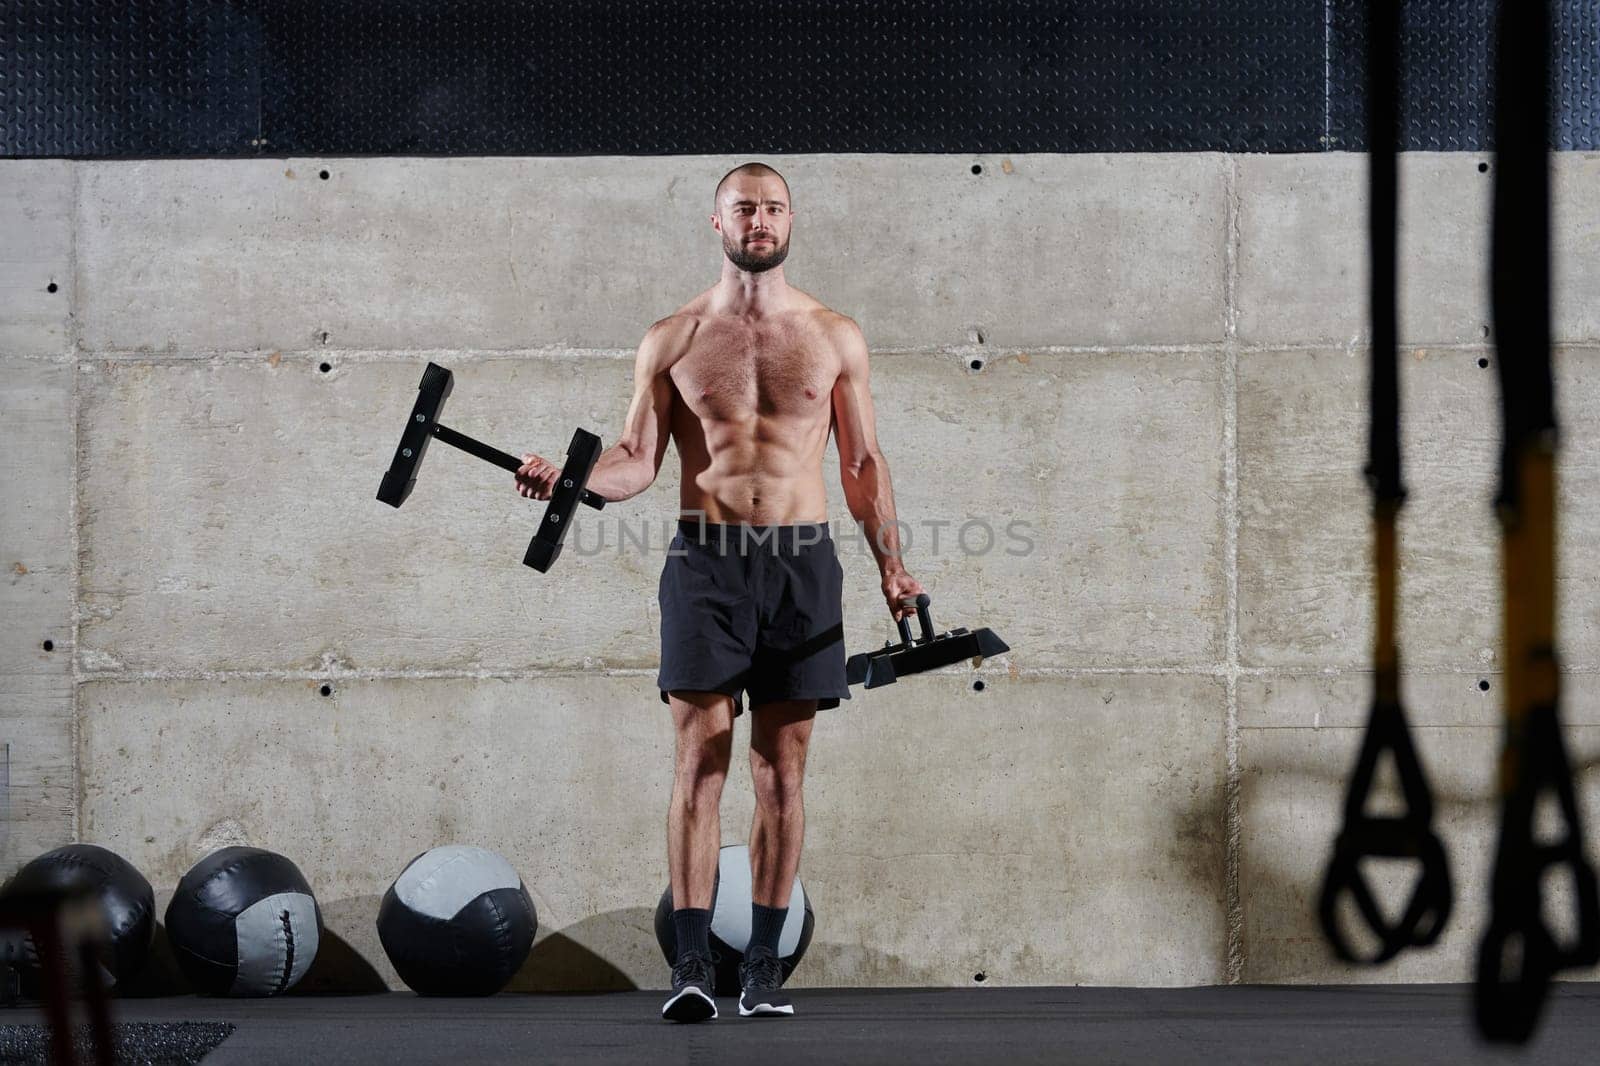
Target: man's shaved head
[
  {"x": 754, "y": 220},
  {"x": 754, "y": 170}
]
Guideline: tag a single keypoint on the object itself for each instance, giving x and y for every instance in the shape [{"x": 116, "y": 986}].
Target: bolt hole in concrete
[
  {"x": 49, "y": 645},
  {"x": 323, "y": 175},
  {"x": 326, "y": 367},
  {"x": 50, "y": 287},
  {"x": 326, "y": 690},
  {"x": 1483, "y": 168},
  {"x": 977, "y": 686},
  {"x": 1483, "y": 364},
  {"x": 1483, "y": 686},
  {"x": 980, "y": 977},
  {"x": 976, "y": 364},
  {"x": 977, "y": 168}
]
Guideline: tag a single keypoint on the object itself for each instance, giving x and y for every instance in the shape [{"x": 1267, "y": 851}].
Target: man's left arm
[{"x": 863, "y": 471}]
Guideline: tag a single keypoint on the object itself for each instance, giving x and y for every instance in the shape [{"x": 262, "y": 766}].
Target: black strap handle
[
  {"x": 1519, "y": 955},
  {"x": 1410, "y": 834}
]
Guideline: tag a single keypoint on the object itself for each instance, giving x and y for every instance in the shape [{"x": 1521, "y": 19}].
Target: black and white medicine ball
[
  {"x": 457, "y": 922},
  {"x": 124, "y": 897},
  {"x": 730, "y": 921},
  {"x": 243, "y": 922}
]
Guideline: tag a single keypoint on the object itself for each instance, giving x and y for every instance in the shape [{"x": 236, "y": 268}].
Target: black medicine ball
[
  {"x": 125, "y": 898},
  {"x": 730, "y": 921},
  {"x": 243, "y": 922},
  {"x": 457, "y": 922}
]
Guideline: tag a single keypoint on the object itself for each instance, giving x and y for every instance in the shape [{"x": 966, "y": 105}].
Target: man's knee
[
  {"x": 698, "y": 796},
  {"x": 702, "y": 766},
  {"x": 779, "y": 786}
]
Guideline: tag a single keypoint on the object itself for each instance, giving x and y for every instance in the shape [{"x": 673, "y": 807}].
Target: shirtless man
[{"x": 748, "y": 378}]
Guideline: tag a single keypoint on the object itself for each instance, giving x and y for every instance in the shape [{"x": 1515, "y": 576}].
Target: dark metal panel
[
  {"x": 665, "y": 76},
  {"x": 1448, "y": 75},
  {"x": 656, "y": 76},
  {"x": 98, "y": 78},
  {"x": 412, "y": 77},
  {"x": 1577, "y": 75},
  {"x": 1444, "y": 84},
  {"x": 541, "y": 77}
]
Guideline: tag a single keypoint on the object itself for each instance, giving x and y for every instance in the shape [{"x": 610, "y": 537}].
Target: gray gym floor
[{"x": 1364, "y": 1024}]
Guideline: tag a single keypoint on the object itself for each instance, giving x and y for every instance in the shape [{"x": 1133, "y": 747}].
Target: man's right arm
[{"x": 629, "y": 466}]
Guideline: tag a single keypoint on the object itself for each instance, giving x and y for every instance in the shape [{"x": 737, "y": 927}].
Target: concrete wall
[{"x": 1156, "y": 361}]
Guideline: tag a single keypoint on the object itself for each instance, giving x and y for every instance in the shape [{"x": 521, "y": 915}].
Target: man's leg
[
  {"x": 780, "y": 733},
  {"x": 704, "y": 725}
]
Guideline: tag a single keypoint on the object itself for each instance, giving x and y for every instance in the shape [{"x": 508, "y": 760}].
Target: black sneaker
[
  {"x": 692, "y": 999},
  {"x": 761, "y": 975}
]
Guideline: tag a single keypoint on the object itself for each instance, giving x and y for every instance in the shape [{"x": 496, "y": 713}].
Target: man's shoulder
[
  {"x": 669, "y": 337},
  {"x": 844, "y": 335},
  {"x": 676, "y": 322},
  {"x": 834, "y": 324}
]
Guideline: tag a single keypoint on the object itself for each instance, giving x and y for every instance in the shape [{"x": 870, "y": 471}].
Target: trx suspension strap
[
  {"x": 1519, "y": 953},
  {"x": 1408, "y": 835}
]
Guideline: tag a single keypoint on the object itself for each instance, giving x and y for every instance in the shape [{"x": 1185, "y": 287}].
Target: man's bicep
[
  {"x": 662, "y": 394},
  {"x": 854, "y": 426},
  {"x": 648, "y": 425}
]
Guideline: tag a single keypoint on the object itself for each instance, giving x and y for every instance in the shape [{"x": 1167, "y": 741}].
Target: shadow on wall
[
  {"x": 339, "y": 969},
  {"x": 578, "y": 958}
]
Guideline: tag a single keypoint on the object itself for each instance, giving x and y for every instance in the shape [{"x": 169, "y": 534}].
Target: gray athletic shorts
[{"x": 753, "y": 609}]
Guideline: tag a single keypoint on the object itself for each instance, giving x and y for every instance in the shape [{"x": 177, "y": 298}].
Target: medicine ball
[
  {"x": 125, "y": 898},
  {"x": 730, "y": 921},
  {"x": 243, "y": 922},
  {"x": 457, "y": 922}
]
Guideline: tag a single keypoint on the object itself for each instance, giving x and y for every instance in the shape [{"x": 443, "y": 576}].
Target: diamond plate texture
[
  {"x": 106, "y": 79},
  {"x": 1448, "y": 78},
  {"x": 141, "y": 78},
  {"x": 655, "y": 77}
]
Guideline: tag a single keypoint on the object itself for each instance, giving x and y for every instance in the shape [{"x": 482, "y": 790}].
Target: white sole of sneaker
[
  {"x": 690, "y": 1005},
  {"x": 762, "y": 1009}
]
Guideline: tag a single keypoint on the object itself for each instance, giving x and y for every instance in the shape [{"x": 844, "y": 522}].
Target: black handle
[
  {"x": 1407, "y": 836},
  {"x": 1428, "y": 909},
  {"x": 1410, "y": 835},
  {"x": 1508, "y": 999},
  {"x": 499, "y": 458},
  {"x": 1519, "y": 953},
  {"x": 920, "y": 601}
]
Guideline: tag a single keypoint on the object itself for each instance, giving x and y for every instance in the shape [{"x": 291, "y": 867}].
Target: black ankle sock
[
  {"x": 766, "y": 924},
  {"x": 693, "y": 928}
]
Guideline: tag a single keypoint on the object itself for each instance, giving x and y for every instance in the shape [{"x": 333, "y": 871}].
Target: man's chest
[{"x": 733, "y": 374}]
